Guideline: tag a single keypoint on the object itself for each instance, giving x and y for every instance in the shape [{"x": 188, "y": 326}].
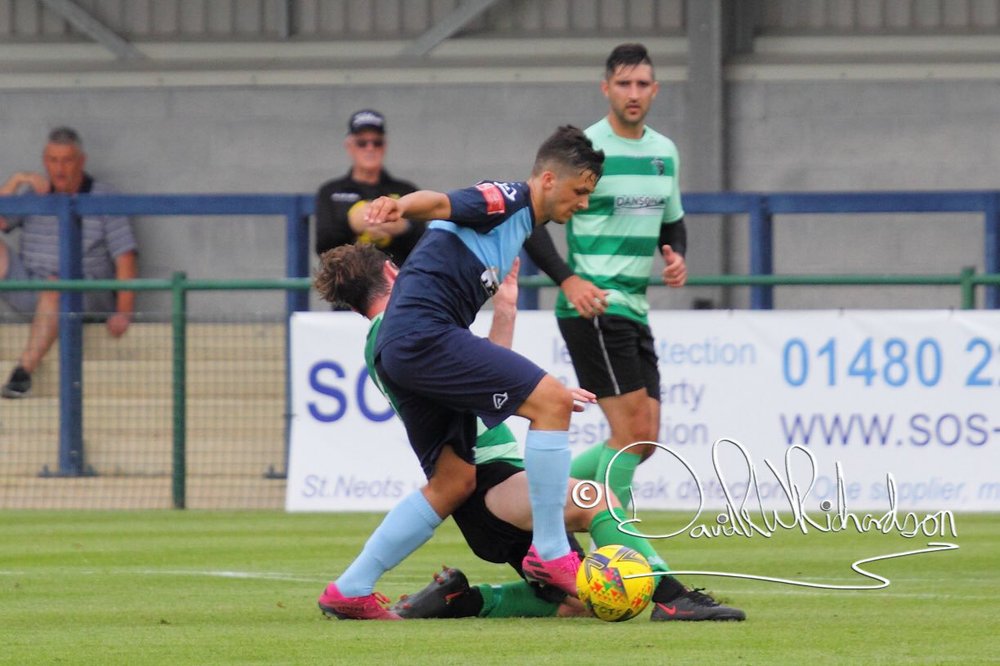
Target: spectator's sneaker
[
  {"x": 694, "y": 605},
  {"x": 560, "y": 572},
  {"x": 18, "y": 385},
  {"x": 436, "y": 599},
  {"x": 369, "y": 607}
]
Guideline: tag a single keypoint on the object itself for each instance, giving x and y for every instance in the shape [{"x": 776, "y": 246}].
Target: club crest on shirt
[{"x": 490, "y": 280}]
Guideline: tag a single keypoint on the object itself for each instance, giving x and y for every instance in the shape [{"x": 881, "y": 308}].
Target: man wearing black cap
[{"x": 340, "y": 203}]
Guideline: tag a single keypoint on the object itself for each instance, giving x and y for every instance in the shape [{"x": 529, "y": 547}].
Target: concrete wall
[
  {"x": 909, "y": 135},
  {"x": 867, "y": 136}
]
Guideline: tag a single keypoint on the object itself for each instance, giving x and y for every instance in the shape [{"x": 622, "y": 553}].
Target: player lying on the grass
[
  {"x": 497, "y": 519},
  {"x": 441, "y": 377}
]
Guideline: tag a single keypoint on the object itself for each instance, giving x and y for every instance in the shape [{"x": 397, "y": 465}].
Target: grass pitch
[{"x": 199, "y": 587}]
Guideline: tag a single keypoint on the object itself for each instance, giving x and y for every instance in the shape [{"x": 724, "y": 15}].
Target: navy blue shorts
[{"x": 443, "y": 378}]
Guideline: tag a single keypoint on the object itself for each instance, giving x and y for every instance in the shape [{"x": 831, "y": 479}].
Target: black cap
[{"x": 366, "y": 119}]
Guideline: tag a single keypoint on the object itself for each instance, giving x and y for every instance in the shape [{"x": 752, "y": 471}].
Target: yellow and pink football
[{"x": 615, "y": 583}]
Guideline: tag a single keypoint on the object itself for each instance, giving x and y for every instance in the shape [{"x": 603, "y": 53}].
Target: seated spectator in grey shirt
[{"x": 109, "y": 251}]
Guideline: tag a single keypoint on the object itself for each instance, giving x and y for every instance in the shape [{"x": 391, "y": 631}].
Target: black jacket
[{"x": 336, "y": 197}]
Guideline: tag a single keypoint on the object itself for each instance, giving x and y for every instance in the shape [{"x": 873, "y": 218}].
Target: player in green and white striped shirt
[{"x": 635, "y": 212}]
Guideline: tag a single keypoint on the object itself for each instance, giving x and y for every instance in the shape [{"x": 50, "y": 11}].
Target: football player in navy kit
[{"x": 443, "y": 376}]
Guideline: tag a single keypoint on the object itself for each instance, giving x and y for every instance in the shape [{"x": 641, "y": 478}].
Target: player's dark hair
[
  {"x": 626, "y": 55},
  {"x": 352, "y": 275},
  {"x": 569, "y": 149}
]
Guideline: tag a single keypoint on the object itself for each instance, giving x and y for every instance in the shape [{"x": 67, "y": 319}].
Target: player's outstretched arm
[{"x": 422, "y": 205}]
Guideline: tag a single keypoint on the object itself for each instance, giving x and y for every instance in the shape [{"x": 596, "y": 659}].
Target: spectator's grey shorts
[{"x": 100, "y": 303}]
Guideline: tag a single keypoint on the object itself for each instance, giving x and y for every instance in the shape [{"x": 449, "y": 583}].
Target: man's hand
[
  {"x": 581, "y": 398},
  {"x": 373, "y": 233},
  {"x": 38, "y": 183},
  {"x": 126, "y": 268},
  {"x": 381, "y": 211},
  {"x": 118, "y": 324},
  {"x": 675, "y": 272},
  {"x": 584, "y": 295}
]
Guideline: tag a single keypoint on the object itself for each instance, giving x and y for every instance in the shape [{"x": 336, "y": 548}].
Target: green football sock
[
  {"x": 514, "y": 600},
  {"x": 584, "y": 465},
  {"x": 604, "y": 530},
  {"x": 620, "y": 479}
]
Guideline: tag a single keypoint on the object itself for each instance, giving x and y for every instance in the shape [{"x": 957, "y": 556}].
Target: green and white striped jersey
[{"x": 613, "y": 242}]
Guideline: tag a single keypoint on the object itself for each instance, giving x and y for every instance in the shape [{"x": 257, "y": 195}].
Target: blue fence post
[
  {"x": 992, "y": 242},
  {"x": 296, "y": 254},
  {"x": 761, "y": 252},
  {"x": 71, "y": 460}
]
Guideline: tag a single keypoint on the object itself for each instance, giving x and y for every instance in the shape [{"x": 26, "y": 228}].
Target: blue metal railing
[
  {"x": 296, "y": 209},
  {"x": 763, "y": 207}
]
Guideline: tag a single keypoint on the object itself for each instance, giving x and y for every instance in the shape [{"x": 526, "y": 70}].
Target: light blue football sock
[
  {"x": 404, "y": 529},
  {"x": 547, "y": 460}
]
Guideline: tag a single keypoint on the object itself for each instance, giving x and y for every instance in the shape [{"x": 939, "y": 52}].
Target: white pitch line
[
  {"x": 257, "y": 575},
  {"x": 251, "y": 575}
]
